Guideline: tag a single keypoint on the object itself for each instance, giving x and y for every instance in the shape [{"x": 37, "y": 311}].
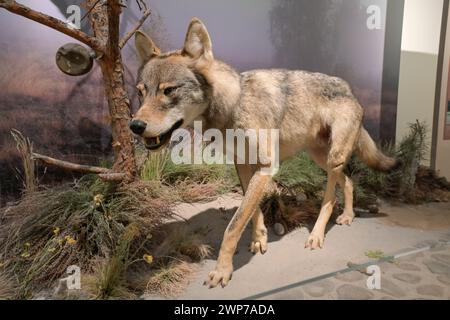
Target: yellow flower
[
  {"x": 148, "y": 258},
  {"x": 70, "y": 240},
  {"x": 25, "y": 255},
  {"x": 98, "y": 200},
  {"x": 56, "y": 231},
  {"x": 27, "y": 244}
]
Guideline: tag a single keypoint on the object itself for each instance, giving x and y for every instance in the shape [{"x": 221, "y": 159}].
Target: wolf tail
[{"x": 368, "y": 152}]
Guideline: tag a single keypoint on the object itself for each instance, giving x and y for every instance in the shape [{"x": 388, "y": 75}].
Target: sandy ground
[{"x": 395, "y": 229}]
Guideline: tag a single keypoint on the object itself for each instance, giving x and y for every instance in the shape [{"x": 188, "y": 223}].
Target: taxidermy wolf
[{"x": 313, "y": 112}]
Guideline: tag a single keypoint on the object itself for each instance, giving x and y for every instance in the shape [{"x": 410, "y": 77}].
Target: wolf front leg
[
  {"x": 259, "y": 230},
  {"x": 255, "y": 192}
]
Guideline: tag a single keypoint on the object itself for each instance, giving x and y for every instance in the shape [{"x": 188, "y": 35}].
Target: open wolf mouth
[{"x": 155, "y": 143}]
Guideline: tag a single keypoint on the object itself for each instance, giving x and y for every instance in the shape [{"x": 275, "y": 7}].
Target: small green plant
[
  {"x": 375, "y": 254},
  {"x": 412, "y": 150}
]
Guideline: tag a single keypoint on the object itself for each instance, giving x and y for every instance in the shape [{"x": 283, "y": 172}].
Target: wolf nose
[{"x": 138, "y": 126}]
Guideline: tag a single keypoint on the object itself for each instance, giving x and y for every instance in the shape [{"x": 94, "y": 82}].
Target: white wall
[
  {"x": 443, "y": 146},
  {"x": 422, "y": 25},
  {"x": 418, "y": 64}
]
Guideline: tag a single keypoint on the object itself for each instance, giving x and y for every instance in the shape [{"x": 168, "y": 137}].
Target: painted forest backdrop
[{"x": 67, "y": 117}]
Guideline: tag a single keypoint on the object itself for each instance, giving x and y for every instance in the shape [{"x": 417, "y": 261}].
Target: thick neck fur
[{"x": 225, "y": 95}]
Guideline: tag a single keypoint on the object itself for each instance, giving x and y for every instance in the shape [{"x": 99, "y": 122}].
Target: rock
[
  {"x": 431, "y": 290},
  {"x": 437, "y": 267},
  {"x": 319, "y": 289},
  {"x": 413, "y": 257},
  {"x": 389, "y": 287},
  {"x": 374, "y": 209},
  {"x": 444, "y": 258},
  {"x": 427, "y": 243},
  {"x": 407, "y": 277},
  {"x": 445, "y": 279},
  {"x": 351, "y": 276},
  {"x": 408, "y": 266},
  {"x": 351, "y": 292},
  {"x": 279, "y": 229},
  {"x": 291, "y": 294},
  {"x": 300, "y": 197}
]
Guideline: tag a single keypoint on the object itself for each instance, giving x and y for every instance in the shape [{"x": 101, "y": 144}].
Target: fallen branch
[
  {"x": 51, "y": 22},
  {"x": 139, "y": 24},
  {"x": 112, "y": 177},
  {"x": 69, "y": 165}
]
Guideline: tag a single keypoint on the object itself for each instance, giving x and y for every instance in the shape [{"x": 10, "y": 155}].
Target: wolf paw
[
  {"x": 259, "y": 242},
  {"x": 315, "y": 241},
  {"x": 345, "y": 219},
  {"x": 222, "y": 276}
]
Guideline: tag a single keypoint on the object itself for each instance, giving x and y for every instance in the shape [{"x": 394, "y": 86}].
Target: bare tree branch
[
  {"x": 112, "y": 177},
  {"x": 69, "y": 165},
  {"x": 139, "y": 24},
  {"x": 51, "y": 22}
]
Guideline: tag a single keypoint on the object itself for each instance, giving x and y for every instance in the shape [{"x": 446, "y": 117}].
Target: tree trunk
[{"x": 105, "y": 18}]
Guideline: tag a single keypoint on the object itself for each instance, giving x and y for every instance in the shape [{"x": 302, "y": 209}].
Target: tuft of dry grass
[
  {"x": 7, "y": 286},
  {"x": 110, "y": 280},
  {"x": 182, "y": 243},
  {"x": 190, "y": 192},
  {"x": 170, "y": 280},
  {"x": 75, "y": 224},
  {"x": 154, "y": 167},
  {"x": 28, "y": 173}
]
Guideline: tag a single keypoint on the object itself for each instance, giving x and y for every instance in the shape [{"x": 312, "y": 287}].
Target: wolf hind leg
[
  {"x": 345, "y": 183},
  {"x": 346, "y": 218},
  {"x": 343, "y": 138}
]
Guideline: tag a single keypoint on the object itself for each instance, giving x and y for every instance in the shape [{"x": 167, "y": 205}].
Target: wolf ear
[
  {"x": 198, "y": 43},
  {"x": 145, "y": 47}
]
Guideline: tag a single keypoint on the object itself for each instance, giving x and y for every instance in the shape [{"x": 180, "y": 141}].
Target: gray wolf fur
[{"x": 314, "y": 112}]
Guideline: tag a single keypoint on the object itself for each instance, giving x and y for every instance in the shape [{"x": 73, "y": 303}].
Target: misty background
[{"x": 67, "y": 117}]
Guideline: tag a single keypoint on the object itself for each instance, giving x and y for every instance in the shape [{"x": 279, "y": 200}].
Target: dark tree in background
[
  {"x": 104, "y": 21},
  {"x": 332, "y": 37}
]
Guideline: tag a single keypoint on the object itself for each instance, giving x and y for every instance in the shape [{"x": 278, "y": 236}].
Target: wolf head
[{"x": 172, "y": 90}]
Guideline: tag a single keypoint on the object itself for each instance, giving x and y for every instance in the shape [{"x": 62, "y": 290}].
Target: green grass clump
[
  {"x": 190, "y": 182},
  {"x": 375, "y": 254},
  {"x": 110, "y": 281},
  {"x": 302, "y": 174},
  {"x": 74, "y": 224}
]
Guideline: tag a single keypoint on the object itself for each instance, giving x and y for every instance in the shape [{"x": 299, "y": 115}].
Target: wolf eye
[
  {"x": 169, "y": 90},
  {"x": 141, "y": 90}
]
